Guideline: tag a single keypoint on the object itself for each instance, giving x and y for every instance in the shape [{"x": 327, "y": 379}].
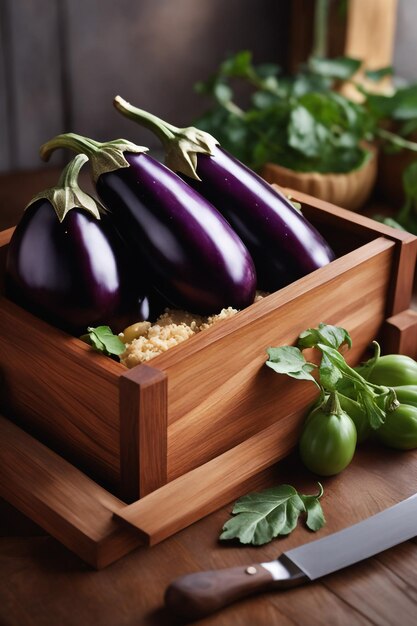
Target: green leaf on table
[
  {"x": 333, "y": 336},
  {"x": 260, "y": 517},
  {"x": 103, "y": 340},
  {"x": 315, "y": 516},
  {"x": 291, "y": 361}
]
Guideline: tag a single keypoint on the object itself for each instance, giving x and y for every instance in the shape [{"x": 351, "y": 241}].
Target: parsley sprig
[
  {"x": 302, "y": 122},
  {"x": 261, "y": 517},
  {"x": 333, "y": 372}
]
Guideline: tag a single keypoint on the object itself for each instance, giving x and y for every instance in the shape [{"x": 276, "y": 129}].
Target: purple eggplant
[
  {"x": 67, "y": 265},
  {"x": 282, "y": 243},
  {"x": 194, "y": 258}
]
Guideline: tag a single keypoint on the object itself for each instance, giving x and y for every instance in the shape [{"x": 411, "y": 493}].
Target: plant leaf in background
[
  {"x": 260, "y": 517},
  {"x": 297, "y": 122},
  {"x": 406, "y": 218},
  {"x": 377, "y": 75},
  {"x": 341, "y": 68}
]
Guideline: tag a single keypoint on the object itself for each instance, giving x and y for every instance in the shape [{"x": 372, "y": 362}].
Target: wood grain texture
[
  {"x": 49, "y": 377},
  {"x": 241, "y": 397},
  {"x": 143, "y": 431},
  {"x": 404, "y": 267},
  {"x": 208, "y": 487},
  {"x": 400, "y": 334},
  {"x": 42, "y": 583},
  {"x": 66, "y": 503},
  {"x": 370, "y": 32},
  {"x": 207, "y": 394}
]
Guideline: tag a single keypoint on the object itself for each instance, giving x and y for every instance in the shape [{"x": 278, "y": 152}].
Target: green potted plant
[{"x": 297, "y": 131}]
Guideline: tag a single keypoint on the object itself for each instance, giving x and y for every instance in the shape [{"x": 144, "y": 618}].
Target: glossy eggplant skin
[
  {"x": 195, "y": 259},
  {"x": 282, "y": 243},
  {"x": 70, "y": 273}
]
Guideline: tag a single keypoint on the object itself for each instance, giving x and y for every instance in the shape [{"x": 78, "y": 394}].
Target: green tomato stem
[{"x": 332, "y": 406}]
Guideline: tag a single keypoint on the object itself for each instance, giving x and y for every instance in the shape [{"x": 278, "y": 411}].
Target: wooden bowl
[{"x": 349, "y": 191}]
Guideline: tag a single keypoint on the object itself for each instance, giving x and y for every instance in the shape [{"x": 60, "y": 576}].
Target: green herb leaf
[
  {"x": 410, "y": 181},
  {"x": 260, "y": 517},
  {"x": 103, "y": 340},
  {"x": 238, "y": 65},
  {"x": 341, "y": 68},
  {"x": 377, "y": 75},
  {"x": 365, "y": 394},
  {"x": 333, "y": 336},
  {"x": 315, "y": 516},
  {"x": 329, "y": 375},
  {"x": 304, "y": 132},
  {"x": 291, "y": 361}
]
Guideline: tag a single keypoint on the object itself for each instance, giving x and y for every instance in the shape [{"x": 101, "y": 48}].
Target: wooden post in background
[
  {"x": 364, "y": 30},
  {"x": 370, "y": 33}
]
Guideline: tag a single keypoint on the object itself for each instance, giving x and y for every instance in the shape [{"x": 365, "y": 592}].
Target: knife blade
[{"x": 199, "y": 594}]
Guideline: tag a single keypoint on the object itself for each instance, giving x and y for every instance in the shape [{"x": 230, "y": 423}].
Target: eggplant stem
[
  {"x": 163, "y": 130},
  {"x": 69, "y": 175},
  {"x": 104, "y": 157},
  {"x": 72, "y": 141}
]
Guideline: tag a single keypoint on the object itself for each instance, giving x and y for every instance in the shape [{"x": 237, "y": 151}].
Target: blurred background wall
[{"x": 63, "y": 61}]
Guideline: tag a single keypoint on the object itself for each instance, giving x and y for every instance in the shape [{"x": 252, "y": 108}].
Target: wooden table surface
[{"x": 43, "y": 584}]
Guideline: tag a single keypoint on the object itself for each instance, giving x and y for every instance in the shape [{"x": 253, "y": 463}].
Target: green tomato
[
  {"x": 394, "y": 369},
  {"x": 328, "y": 441},
  {"x": 406, "y": 394},
  {"x": 400, "y": 428}
]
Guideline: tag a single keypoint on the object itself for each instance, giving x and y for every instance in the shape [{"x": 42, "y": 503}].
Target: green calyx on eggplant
[
  {"x": 65, "y": 261},
  {"x": 282, "y": 243},
  {"x": 192, "y": 255}
]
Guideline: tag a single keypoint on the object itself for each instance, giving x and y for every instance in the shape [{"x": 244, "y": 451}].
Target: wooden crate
[{"x": 206, "y": 419}]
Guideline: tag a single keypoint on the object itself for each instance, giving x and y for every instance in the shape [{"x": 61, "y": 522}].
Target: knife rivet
[{"x": 251, "y": 570}]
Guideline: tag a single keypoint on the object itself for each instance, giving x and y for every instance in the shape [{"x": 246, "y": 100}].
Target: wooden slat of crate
[
  {"x": 216, "y": 402},
  {"x": 58, "y": 387},
  {"x": 61, "y": 499}
]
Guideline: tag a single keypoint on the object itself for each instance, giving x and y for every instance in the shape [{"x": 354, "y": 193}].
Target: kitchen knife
[{"x": 199, "y": 594}]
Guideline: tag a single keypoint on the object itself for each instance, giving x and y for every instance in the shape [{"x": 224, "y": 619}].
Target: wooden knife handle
[{"x": 197, "y": 595}]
